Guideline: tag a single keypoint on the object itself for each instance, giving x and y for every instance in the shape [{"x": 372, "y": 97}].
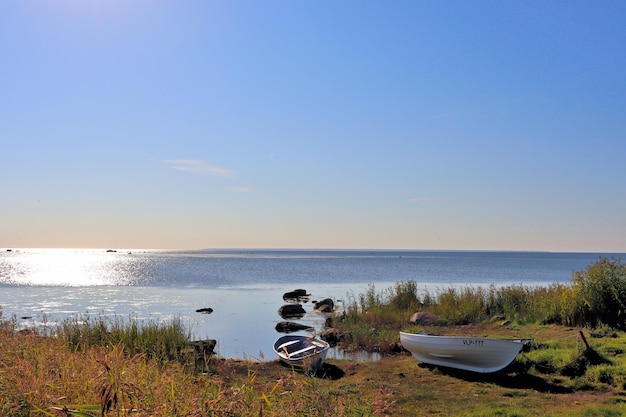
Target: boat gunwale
[{"x": 317, "y": 357}]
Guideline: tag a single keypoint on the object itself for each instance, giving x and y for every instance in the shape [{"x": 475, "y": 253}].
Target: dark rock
[
  {"x": 289, "y": 327},
  {"x": 334, "y": 336},
  {"x": 207, "y": 310},
  {"x": 204, "y": 347},
  {"x": 396, "y": 348},
  {"x": 199, "y": 352},
  {"x": 424, "y": 318},
  {"x": 291, "y": 311},
  {"x": 325, "y": 306},
  {"x": 297, "y": 296}
]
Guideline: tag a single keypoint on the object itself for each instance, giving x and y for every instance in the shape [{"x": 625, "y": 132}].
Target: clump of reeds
[{"x": 162, "y": 341}]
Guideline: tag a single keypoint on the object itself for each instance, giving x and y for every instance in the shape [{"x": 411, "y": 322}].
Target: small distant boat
[
  {"x": 476, "y": 354},
  {"x": 304, "y": 351}
]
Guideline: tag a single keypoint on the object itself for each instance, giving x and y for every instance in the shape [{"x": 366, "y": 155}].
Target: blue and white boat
[{"x": 307, "y": 352}]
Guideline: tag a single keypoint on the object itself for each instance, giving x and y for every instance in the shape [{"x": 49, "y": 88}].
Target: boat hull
[
  {"x": 303, "y": 351},
  {"x": 476, "y": 354}
]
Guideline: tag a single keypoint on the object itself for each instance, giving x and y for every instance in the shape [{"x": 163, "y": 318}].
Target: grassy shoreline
[
  {"x": 40, "y": 376},
  {"x": 129, "y": 369}
]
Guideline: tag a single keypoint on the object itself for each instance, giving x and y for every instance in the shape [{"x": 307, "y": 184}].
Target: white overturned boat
[
  {"x": 477, "y": 354},
  {"x": 304, "y": 351}
]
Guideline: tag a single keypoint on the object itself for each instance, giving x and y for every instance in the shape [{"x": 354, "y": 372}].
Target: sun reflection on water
[{"x": 67, "y": 267}]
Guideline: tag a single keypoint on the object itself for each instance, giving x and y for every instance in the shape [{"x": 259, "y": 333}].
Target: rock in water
[
  {"x": 289, "y": 327},
  {"x": 325, "y": 306},
  {"x": 296, "y": 295},
  {"x": 291, "y": 311}
]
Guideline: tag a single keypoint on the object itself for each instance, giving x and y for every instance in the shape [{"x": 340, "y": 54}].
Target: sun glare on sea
[{"x": 66, "y": 267}]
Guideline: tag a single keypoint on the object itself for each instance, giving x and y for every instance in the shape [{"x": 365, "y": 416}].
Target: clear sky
[{"x": 478, "y": 125}]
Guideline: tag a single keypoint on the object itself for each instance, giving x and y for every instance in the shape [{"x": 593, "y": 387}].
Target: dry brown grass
[{"x": 40, "y": 376}]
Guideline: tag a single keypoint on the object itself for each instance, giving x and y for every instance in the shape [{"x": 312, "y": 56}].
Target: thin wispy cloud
[
  {"x": 242, "y": 189},
  {"x": 197, "y": 167}
]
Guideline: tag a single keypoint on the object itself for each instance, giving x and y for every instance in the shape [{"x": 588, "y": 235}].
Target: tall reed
[{"x": 162, "y": 341}]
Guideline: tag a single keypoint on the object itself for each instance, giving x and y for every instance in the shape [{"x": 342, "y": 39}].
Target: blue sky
[{"x": 486, "y": 125}]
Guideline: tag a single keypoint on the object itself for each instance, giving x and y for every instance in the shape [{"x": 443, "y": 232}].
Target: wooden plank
[{"x": 302, "y": 350}]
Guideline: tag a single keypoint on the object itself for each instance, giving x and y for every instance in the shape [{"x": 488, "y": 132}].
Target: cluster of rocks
[{"x": 294, "y": 310}]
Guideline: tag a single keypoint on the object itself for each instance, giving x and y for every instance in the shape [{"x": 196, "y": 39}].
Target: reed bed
[{"x": 162, "y": 341}]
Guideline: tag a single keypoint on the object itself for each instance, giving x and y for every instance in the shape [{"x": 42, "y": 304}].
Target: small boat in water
[
  {"x": 304, "y": 351},
  {"x": 476, "y": 354}
]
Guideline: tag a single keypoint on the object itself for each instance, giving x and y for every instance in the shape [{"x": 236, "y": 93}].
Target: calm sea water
[{"x": 244, "y": 287}]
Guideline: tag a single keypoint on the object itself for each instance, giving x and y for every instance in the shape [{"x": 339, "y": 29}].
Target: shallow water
[{"x": 243, "y": 320}]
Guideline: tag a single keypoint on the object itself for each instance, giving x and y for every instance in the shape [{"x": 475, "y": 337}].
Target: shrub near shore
[{"x": 113, "y": 369}]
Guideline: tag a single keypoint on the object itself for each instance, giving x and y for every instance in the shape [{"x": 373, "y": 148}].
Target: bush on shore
[{"x": 600, "y": 295}]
